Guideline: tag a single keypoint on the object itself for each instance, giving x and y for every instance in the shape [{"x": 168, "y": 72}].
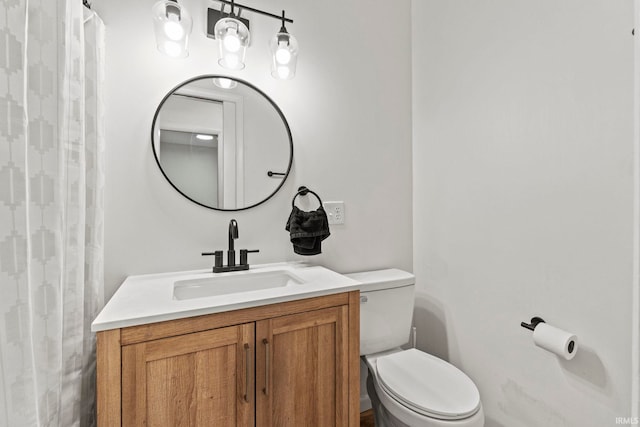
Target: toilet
[{"x": 407, "y": 388}]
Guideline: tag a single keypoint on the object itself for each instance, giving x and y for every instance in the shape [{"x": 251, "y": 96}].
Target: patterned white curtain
[{"x": 51, "y": 210}]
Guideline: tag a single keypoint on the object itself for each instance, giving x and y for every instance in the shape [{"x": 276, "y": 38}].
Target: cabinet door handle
[
  {"x": 265, "y": 390},
  {"x": 247, "y": 372}
]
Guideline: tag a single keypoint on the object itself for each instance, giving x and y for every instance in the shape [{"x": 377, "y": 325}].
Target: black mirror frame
[{"x": 275, "y": 106}]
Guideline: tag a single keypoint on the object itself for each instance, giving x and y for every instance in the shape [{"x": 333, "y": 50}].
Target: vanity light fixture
[
  {"x": 233, "y": 37},
  {"x": 172, "y": 24},
  {"x": 284, "y": 53}
]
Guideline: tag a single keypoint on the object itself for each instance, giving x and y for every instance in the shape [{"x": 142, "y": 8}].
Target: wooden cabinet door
[
  {"x": 198, "y": 379},
  {"x": 302, "y": 369}
]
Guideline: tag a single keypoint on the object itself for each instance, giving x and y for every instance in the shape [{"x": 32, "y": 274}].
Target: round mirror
[{"x": 222, "y": 143}]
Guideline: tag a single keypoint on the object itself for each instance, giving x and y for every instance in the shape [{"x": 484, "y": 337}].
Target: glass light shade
[
  {"x": 172, "y": 24},
  {"x": 224, "y": 83},
  {"x": 284, "y": 55},
  {"x": 233, "y": 38}
]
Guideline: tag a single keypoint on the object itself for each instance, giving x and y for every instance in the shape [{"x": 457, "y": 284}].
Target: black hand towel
[{"x": 307, "y": 230}]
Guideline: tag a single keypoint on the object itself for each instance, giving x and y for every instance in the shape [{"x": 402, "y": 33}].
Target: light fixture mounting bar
[{"x": 251, "y": 9}]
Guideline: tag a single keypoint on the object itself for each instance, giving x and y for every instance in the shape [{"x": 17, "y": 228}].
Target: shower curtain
[{"x": 51, "y": 210}]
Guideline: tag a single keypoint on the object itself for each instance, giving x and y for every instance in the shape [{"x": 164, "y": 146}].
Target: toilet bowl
[{"x": 408, "y": 388}]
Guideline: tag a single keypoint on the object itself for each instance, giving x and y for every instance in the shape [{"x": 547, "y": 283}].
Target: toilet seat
[{"x": 427, "y": 385}]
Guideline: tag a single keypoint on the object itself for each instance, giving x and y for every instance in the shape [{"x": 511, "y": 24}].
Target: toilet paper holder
[
  {"x": 534, "y": 322},
  {"x": 565, "y": 349}
]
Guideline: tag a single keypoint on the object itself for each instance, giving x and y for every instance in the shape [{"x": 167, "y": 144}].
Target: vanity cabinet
[
  {"x": 294, "y": 363},
  {"x": 199, "y": 379},
  {"x": 301, "y": 369}
]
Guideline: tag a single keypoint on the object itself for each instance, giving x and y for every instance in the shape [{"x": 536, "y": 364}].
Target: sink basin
[
  {"x": 158, "y": 297},
  {"x": 233, "y": 283}
]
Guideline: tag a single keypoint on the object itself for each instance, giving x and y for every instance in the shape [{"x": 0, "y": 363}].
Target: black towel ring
[{"x": 303, "y": 191}]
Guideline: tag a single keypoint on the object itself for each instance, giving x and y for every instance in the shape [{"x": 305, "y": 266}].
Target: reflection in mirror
[
  {"x": 200, "y": 153},
  {"x": 216, "y": 139}
]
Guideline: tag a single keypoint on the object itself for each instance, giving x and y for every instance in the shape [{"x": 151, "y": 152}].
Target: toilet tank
[{"x": 386, "y": 309}]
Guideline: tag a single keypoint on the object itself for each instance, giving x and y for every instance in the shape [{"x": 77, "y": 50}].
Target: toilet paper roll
[{"x": 562, "y": 343}]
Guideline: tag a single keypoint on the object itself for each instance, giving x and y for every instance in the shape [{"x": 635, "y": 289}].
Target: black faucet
[
  {"x": 231, "y": 253},
  {"x": 233, "y": 234}
]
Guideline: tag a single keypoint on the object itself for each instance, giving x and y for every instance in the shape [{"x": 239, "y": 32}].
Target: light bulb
[
  {"x": 204, "y": 137},
  {"x": 231, "y": 61},
  {"x": 172, "y": 48},
  {"x": 231, "y": 40},
  {"x": 283, "y": 72},
  {"x": 173, "y": 30},
  {"x": 172, "y": 26},
  {"x": 283, "y": 56}
]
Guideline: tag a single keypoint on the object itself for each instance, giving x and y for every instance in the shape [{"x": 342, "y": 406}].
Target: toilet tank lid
[{"x": 383, "y": 279}]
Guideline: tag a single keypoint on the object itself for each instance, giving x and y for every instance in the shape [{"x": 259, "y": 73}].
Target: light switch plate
[{"x": 335, "y": 212}]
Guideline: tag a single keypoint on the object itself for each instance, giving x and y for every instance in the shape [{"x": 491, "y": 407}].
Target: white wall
[
  {"x": 523, "y": 200},
  {"x": 349, "y": 111}
]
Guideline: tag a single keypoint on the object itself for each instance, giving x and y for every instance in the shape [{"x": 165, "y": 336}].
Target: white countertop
[{"x": 149, "y": 298}]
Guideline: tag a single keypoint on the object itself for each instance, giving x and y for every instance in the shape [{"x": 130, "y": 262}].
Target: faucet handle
[
  {"x": 244, "y": 255},
  {"x": 218, "y": 257}
]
